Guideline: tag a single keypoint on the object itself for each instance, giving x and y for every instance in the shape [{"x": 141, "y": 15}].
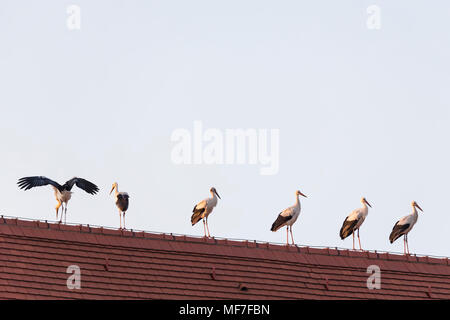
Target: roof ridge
[{"x": 244, "y": 243}]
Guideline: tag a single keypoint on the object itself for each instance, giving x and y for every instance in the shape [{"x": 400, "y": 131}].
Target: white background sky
[{"x": 361, "y": 113}]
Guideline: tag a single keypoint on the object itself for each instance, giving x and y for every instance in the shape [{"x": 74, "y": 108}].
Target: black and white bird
[
  {"x": 203, "y": 209},
  {"x": 288, "y": 217},
  {"x": 403, "y": 226},
  {"x": 62, "y": 192},
  {"x": 122, "y": 201},
  {"x": 354, "y": 221}
]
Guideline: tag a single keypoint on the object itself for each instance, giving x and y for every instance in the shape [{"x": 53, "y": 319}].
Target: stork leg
[
  {"x": 65, "y": 213},
  {"x": 407, "y": 246},
  {"x": 123, "y": 214},
  {"x": 57, "y": 209},
  {"x": 292, "y": 237},
  {"x": 359, "y": 240},
  {"x": 204, "y": 226},
  {"x": 404, "y": 244},
  {"x": 353, "y": 234},
  {"x": 207, "y": 227},
  {"x": 62, "y": 212},
  {"x": 287, "y": 235}
]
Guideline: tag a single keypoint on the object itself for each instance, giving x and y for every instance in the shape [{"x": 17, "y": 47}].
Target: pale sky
[{"x": 360, "y": 113}]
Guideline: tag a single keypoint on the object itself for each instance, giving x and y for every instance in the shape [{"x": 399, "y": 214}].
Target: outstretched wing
[
  {"x": 36, "y": 181},
  {"x": 81, "y": 183}
]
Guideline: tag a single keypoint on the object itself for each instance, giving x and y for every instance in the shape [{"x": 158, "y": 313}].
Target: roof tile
[{"x": 121, "y": 264}]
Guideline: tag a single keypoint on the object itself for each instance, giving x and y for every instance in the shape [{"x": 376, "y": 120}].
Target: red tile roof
[{"x": 118, "y": 264}]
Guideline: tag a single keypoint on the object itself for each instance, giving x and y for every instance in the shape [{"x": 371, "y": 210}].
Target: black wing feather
[
  {"x": 280, "y": 222},
  {"x": 397, "y": 231},
  {"x": 83, "y": 184},
  {"x": 347, "y": 228},
  {"x": 36, "y": 181},
  {"x": 197, "y": 214},
  {"x": 122, "y": 202}
]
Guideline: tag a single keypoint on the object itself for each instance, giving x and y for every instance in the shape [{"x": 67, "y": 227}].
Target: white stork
[
  {"x": 354, "y": 221},
  {"x": 288, "y": 217},
  {"x": 404, "y": 226},
  {"x": 204, "y": 208},
  {"x": 121, "y": 202},
  {"x": 62, "y": 192}
]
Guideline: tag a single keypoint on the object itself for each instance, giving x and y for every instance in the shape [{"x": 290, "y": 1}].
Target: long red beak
[{"x": 418, "y": 207}]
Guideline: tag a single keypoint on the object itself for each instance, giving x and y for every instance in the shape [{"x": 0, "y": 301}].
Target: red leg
[
  {"x": 404, "y": 245},
  {"x": 62, "y": 213},
  {"x": 407, "y": 245},
  {"x": 204, "y": 226},
  {"x": 353, "y": 234},
  {"x": 287, "y": 235},
  {"x": 359, "y": 240},
  {"x": 207, "y": 227},
  {"x": 57, "y": 209},
  {"x": 292, "y": 237}
]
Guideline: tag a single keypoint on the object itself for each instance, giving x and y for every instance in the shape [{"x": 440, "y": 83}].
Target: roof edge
[{"x": 142, "y": 234}]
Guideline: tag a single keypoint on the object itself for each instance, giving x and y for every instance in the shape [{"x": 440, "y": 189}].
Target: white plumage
[
  {"x": 354, "y": 221},
  {"x": 288, "y": 217},
  {"x": 403, "y": 226},
  {"x": 122, "y": 202},
  {"x": 203, "y": 209}
]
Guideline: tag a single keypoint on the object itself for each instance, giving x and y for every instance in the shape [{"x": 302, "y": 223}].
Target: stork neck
[
  {"x": 365, "y": 209},
  {"x": 116, "y": 190},
  {"x": 297, "y": 200},
  {"x": 414, "y": 211}
]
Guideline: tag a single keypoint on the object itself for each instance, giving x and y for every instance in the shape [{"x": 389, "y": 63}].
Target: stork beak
[
  {"x": 111, "y": 190},
  {"x": 418, "y": 207},
  {"x": 217, "y": 194},
  {"x": 367, "y": 203},
  {"x": 303, "y": 195}
]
